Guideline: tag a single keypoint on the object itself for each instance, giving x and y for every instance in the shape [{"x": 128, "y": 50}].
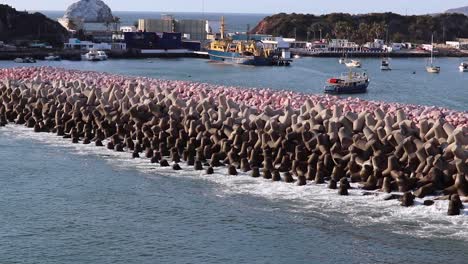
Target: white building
[
  {"x": 459, "y": 44},
  {"x": 128, "y": 29},
  {"x": 278, "y": 43},
  {"x": 394, "y": 47},
  {"x": 377, "y": 44},
  {"x": 342, "y": 44},
  {"x": 77, "y": 44},
  {"x": 427, "y": 47}
]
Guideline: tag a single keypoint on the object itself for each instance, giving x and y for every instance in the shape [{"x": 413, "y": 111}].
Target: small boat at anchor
[
  {"x": 463, "y": 66},
  {"x": 52, "y": 57},
  {"x": 353, "y": 64},
  {"x": 385, "y": 65},
  {"x": 348, "y": 83},
  {"x": 95, "y": 55},
  {"x": 431, "y": 68},
  {"x": 342, "y": 61}
]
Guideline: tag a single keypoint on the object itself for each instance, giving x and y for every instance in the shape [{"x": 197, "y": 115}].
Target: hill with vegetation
[
  {"x": 460, "y": 10},
  {"x": 366, "y": 27},
  {"x": 21, "y": 27}
]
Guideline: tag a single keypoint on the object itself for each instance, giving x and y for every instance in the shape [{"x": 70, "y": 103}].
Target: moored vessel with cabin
[
  {"x": 268, "y": 52},
  {"x": 348, "y": 83}
]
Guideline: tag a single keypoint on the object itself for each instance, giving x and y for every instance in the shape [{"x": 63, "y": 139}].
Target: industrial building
[
  {"x": 156, "y": 25},
  {"x": 190, "y": 28}
]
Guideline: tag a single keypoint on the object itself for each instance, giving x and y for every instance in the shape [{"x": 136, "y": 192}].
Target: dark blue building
[{"x": 160, "y": 41}]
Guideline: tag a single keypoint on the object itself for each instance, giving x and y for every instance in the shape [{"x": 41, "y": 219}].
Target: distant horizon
[
  {"x": 402, "y": 7},
  {"x": 243, "y": 13}
]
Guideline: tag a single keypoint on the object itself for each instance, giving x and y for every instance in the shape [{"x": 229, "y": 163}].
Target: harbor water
[
  {"x": 408, "y": 82},
  {"x": 67, "y": 203}
]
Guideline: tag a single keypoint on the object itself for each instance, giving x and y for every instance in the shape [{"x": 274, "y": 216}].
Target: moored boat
[
  {"x": 431, "y": 68},
  {"x": 353, "y": 64},
  {"x": 348, "y": 83},
  {"x": 463, "y": 66},
  {"x": 95, "y": 55},
  {"x": 250, "y": 52},
  {"x": 385, "y": 65},
  {"x": 342, "y": 61},
  {"x": 52, "y": 57}
]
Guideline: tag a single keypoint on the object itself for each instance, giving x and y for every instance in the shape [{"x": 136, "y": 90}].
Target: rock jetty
[{"x": 411, "y": 151}]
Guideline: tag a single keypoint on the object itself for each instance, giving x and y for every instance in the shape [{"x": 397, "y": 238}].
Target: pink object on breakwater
[{"x": 259, "y": 98}]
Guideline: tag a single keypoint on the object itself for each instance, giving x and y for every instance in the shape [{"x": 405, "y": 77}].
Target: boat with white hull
[
  {"x": 463, "y": 67},
  {"x": 353, "y": 64}
]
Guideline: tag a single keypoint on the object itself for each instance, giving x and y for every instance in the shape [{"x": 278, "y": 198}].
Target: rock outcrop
[
  {"x": 365, "y": 27},
  {"x": 89, "y": 11},
  {"x": 17, "y": 27},
  {"x": 460, "y": 10}
]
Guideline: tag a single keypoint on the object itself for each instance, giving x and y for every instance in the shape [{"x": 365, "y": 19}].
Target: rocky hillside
[
  {"x": 460, "y": 10},
  {"x": 366, "y": 27},
  {"x": 22, "y": 27},
  {"x": 90, "y": 11}
]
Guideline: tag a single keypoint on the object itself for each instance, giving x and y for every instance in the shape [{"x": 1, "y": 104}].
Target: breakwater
[{"x": 282, "y": 136}]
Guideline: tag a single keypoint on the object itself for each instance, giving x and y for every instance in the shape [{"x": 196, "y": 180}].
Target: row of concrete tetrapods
[{"x": 382, "y": 151}]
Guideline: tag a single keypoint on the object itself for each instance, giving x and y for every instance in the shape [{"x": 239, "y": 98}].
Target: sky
[{"x": 257, "y": 6}]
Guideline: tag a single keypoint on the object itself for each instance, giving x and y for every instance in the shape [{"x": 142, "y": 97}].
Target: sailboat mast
[{"x": 432, "y": 49}]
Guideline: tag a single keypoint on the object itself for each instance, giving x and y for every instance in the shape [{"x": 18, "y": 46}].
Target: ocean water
[
  {"x": 408, "y": 82},
  {"x": 66, "y": 203},
  {"x": 234, "y": 22}
]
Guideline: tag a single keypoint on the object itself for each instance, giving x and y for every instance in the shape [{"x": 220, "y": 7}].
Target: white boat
[
  {"x": 348, "y": 83},
  {"x": 353, "y": 64},
  {"x": 385, "y": 65},
  {"x": 463, "y": 66},
  {"x": 297, "y": 56},
  {"x": 342, "y": 61},
  {"x": 95, "y": 55},
  {"x": 52, "y": 57},
  {"x": 432, "y": 68}
]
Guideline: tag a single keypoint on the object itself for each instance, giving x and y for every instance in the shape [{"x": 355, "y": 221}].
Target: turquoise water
[{"x": 408, "y": 82}]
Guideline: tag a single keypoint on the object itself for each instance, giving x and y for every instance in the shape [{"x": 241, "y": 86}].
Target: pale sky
[{"x": 257, "y": 6}]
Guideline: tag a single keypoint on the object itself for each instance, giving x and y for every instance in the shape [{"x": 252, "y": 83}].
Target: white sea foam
[{"x": 358, "y": 209}]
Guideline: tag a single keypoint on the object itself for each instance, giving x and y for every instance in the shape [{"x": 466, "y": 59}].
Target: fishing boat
[
  {"x": 248, "y": 52},
  {"x": 431, "y": 68},
  {"x": 353, "y": 64},
  {"x": 348, "y": 83},
  {"x": 463, "y": 66},
  {"x": 95, "y": 55},
  {"x": 385, "y": 65}
]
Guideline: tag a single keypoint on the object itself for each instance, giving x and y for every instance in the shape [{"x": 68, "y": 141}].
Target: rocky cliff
[
  {"x": 89, "y": 11},
  {"x": 22, "y": 26},
  {"x": 366, "y": 27}
]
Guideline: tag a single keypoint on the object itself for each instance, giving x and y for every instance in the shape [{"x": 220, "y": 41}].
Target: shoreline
[
  {"x": 406, "y": 151},
  {"x": 75, "y": 55}
]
